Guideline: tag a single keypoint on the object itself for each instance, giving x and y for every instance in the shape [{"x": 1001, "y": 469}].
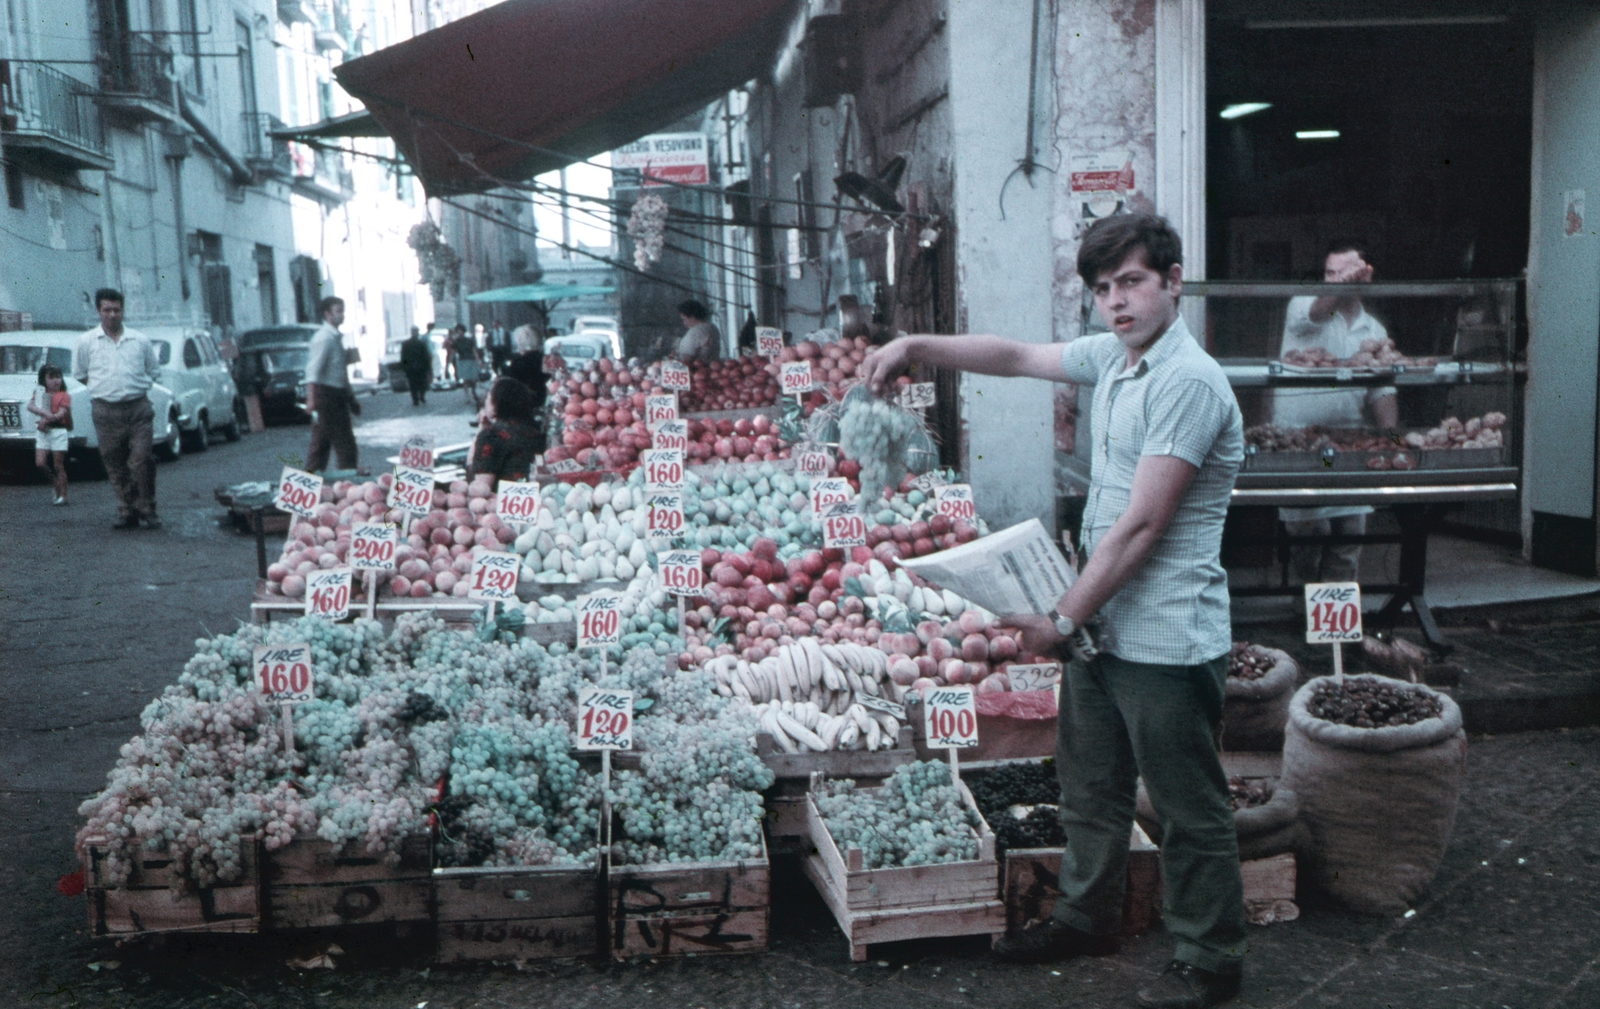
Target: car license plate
[{"x": 10, "y": 414}]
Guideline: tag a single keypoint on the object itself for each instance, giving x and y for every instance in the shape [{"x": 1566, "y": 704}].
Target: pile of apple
[
  {"x": 748, "y": 439},
  {"x": 432, "y": 561},
  {"x": 833, "y": 365},
  {"x": 736, "y": 383},
  {"x": 602, "y": 415}
]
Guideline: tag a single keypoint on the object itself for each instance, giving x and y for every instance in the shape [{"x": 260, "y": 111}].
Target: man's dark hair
[
  {"x": 1110, "y": 240},
  {"x": 107, "y": 294},
  {"x": 1347, "y": 245},
  {"x": 512, "y": 400},
  {"x": 327, "y": 303},
  {"x": 694, "y": 310},
  {"x": 50, "y": 371}
]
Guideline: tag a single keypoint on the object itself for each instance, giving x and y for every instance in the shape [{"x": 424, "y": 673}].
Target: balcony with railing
[
  {"x": 137, "y": 78},
  {"x": 324, "y": 177},
  {"x": 52, "y": 117},
  {"x": 263, "y": 152}
]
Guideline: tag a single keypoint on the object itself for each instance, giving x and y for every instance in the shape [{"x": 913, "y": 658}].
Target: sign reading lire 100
[
  {"x": 951, "y": 718},
  {"x": 1333, "y": 612}
]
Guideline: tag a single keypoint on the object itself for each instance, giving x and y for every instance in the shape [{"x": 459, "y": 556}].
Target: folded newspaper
[{"x": 1016, "y": 570}]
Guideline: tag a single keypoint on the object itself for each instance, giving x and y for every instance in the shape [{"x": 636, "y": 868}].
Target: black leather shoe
[
  {"x": 126, "y": 522},
  {"x": 1185, "y": 986},
  {"x": 1052, "y": 940}
]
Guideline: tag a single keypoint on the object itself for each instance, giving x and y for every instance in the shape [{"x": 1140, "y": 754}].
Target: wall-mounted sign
[{"x": 662, "y": 158}]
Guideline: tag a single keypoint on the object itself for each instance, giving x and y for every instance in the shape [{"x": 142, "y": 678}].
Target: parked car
[
  {"x": 583, "y": 323},
  {"x": 201, "y": 382},
  {"x": 23, "y": 353},
  {"x": 581, "y": 347},
  {"x": 272, "y": 360}
]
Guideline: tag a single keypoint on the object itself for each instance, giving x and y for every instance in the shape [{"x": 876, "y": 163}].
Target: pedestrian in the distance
[
  {"x": 416, "y": 360},
  {"x": 328, "y": 397},
  {"x": 469, "y": 369},
  {"x": 52, "y": 404},
  {"x": 499, "y": 348},
  {"x": 119, "y": 366}
]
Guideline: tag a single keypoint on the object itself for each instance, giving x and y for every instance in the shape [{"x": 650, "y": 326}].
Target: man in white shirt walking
[
  {"x": 119, "y": 366},
  {"x": 328, "y": 396}
]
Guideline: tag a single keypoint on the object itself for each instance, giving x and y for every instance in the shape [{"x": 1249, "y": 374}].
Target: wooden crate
[
  {"x": 905, "y": 902},
  {"x": 837, "y": 763},
  {"x": 517, "y": 913},
  {"x": 309, "y": 884},
  {"x": 671, "y": 909},
  {"x": 1031, "y": 876},
  {"x": 1269, "y": 889},
  {"x": 152, "y": 901}
]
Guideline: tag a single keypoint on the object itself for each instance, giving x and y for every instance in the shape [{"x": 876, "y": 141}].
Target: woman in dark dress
[{"x": 509, "y": 441}]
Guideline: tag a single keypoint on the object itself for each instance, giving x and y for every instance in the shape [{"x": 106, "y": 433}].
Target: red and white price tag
[
  {"x": 1034, "y": 675},
  {"x": 1333, "y": 612},
  {"x": 283, "y": 673},
  {"x": 599, "y": 619},
  {"x": 518, "y": 502},
  {"x": 670, "y": 434},
  {"x": 675, "y": 376},
  {"x": 663, "y": 469},
  {"x": 827, "y": 492},
  {"x": 843, "y": 527},
  {"x": 328, "y": 593},
  {"x": 681, "y": 574},
  {"x": 566, "y": 466},
  {"x": 494, "y": 575},
  {"x": 605, "y": 719},
  {"x": 665, "y": 520},
  {"x": 813, "y": 464},
  {"x": 955, "y": 500},
  {"x": 372, "y": 546},
  {"x": 795, "y": 377},
  {"x": 417, "y": 452},
  {"x": 660, "y": 408},
  {"x": 298, "y": 492},
  {"x": 917, "y": 396},
  {"x": 950, "y": 718},
  {"x": 769, "y": 341},
  {"x": 412, "y": 491}
]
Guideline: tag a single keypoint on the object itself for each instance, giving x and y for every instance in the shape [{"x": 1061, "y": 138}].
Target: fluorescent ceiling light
[
  {"x": 1316, "y": 134},
  {"x": 1241, "y": 109}
]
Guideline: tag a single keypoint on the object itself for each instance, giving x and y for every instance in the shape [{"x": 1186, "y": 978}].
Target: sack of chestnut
[{"x": 1260, "y": 683}]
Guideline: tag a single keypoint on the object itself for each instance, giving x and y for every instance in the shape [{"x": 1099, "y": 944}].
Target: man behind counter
[{"x": 1168, "y": 442}]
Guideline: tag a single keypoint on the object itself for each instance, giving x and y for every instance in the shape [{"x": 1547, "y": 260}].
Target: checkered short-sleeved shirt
[{"x": 1176, "y": 401}]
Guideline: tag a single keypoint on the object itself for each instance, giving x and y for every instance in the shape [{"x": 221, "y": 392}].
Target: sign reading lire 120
[
  {"x": 843, "y": 526},
  {"x": 494, "y": 575},
  {"x": 605, "y": 719},
  {"x": 1333, "y": 612}
]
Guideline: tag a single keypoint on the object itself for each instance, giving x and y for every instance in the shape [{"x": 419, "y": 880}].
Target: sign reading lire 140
[{"x": 1333, "y": 612}]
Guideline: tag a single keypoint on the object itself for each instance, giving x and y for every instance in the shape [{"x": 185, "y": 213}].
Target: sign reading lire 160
[
  {"x": 517, "y": 501},
  {"x": 599, "y": 619},
  {"x": 328, "y": 593},
  {"x": 283, "y": 673},
  {"x": 663, "y": 469},
  {"x": 660, "y": 407},
  {"x": 1333, "y": 612},
  {"x": 681, "y": 574}
]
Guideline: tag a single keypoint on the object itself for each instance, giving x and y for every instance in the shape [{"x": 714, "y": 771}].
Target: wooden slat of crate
[
  {"x": 1269, "y": 878},
  {"x": 149, "y": 902},
  {"x": 524, "y": 913},
  {"x": 1030, "y": 885},
  {"x": 837, "y": 763},
  {"x": 309, "y": 884},
  {"x": 694, "y": 907}
]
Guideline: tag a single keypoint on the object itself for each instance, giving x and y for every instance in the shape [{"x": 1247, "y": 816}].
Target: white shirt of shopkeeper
[
  {"x": 327, "y": 362},
  {"x": 1175, "y": 401},
  {"x": 1341, "y": 337},
  {"x": 116, "y": 371}
]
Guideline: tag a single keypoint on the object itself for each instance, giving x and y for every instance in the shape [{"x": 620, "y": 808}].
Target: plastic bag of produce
[
  {"x": 1377, "y": 800},
  {"x": 1257, "y": 707}
]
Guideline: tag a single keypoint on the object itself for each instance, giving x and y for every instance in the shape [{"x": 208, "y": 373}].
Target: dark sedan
[{"x": 272, "y": 363}]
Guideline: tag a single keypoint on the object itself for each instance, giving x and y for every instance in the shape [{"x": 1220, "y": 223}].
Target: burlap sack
[
  {"x": 1376, "y": 805},
  {"x": 1265, "y": 830},
  {"x": 1255, "y": 711}
]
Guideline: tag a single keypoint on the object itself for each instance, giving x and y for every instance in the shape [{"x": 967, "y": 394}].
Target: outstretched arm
[{"x": 986, "y": 355}]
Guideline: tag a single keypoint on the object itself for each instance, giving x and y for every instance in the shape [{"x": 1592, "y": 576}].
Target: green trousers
[{"x": 1123, "y": 720}]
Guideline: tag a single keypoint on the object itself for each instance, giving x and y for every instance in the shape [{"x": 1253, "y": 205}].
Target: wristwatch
[{"x": 1065, "y": 625}]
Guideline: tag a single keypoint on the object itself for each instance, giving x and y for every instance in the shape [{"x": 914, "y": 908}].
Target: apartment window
[
  {"x": 189, "y": 25},
  {"x": 267, "y": 285},
  {"x": 305, "y": 276},
  {"x": 14, "y": 188},
  {"x": 247, "y": 67}
]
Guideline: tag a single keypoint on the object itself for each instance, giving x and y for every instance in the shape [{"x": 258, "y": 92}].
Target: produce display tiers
[
  {"x": 749, "y": 413},
  {"x": 837, "y": 763},
  {"x": 458, "y": 612}
]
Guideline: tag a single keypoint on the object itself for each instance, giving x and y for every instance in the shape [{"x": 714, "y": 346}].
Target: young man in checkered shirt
[{"x": 1168, "y": 440}]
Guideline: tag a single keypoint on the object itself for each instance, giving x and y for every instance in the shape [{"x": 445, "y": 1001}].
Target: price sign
[
  {"x": 412, "y": 491},
  {"x": 829, "y": 492},
  {"x": 494, "y": 575},
  {"x": 930, "y": 481},
  {"x": 660, "y": 408},
  {"x": 599, "y": 619},
  {"x": 298, "y": 492},
  {"x": 795, "y": 377},
  {"x": 670, "y": 434},
  {"x": 950, "y": 718},
  {"x": 813, "y": 463},
  {"x": 842, "y": 527},
  {"x": 417, "y": 452},
  {"x": 955, "y": 500},
  {"x": 328, "y": 593},
  {"x": 372, "y": 546},
  {"x": 893, "y": 710},
  {"x": 666, "y": 516},
  {"x": 283, "y": 673},
  {"x": 675, "y": 376},
  {"x": 605, "y": 719},
  {"x": 518, "y": 502},
  {"x": 663, "y": 469},
  {"x": 769, "y": 341},
  {"x": 1034, "y": 676},
  {"x": 917, "y": 396},
  {"x": 681, "y": 573},
  {"x": 1333, "y": 612},
  {"x": 565, "y": 466}
]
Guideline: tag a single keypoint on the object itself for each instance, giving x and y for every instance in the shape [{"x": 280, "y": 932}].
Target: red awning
[{"x": 528, "y": 86}]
